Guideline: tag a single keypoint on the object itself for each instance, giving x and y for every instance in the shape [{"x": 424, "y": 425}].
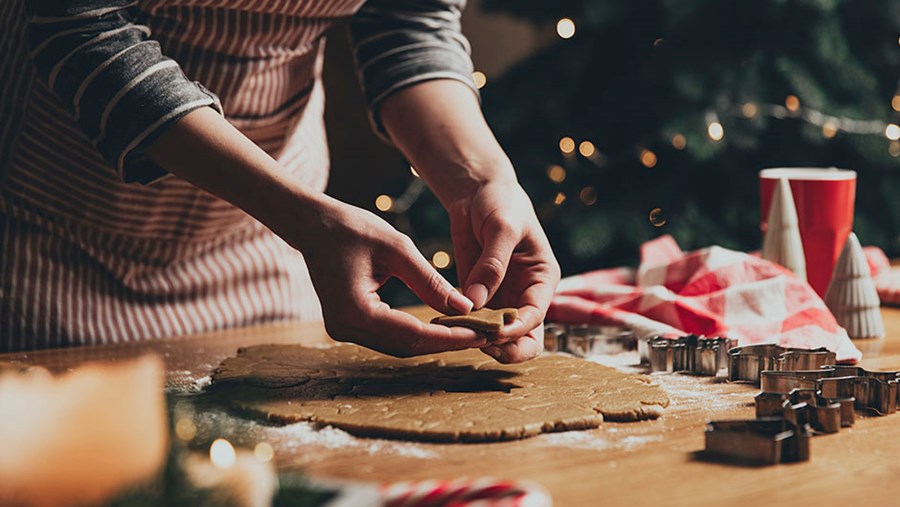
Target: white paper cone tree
[
  {"x": 851, "y": 295},
  {"x": 782, "y": 243}
]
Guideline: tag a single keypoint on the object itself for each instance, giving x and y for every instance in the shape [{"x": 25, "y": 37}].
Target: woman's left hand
[{"x": 505, "y": 260}]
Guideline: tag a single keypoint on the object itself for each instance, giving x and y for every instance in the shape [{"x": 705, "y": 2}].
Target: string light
[
  {"x": 565, "y": 28},
  {"x": 715, "y": 131},
  {"x": 440, "y": 259},
  {"x": 264, "y": 452},
  {"x": 384, "y": 202},
  {"x": 567, "y": 145},
  {"x": 588, "y": 196},
  {"x": 559, "y": 199},
  {"x": 679, "y": 142},
  {"x": 648, "y": 158},
  {"x": 792, "y": 103},
  {"x": 658, "y": 42},
  {"x": 829, "y": 129},
  {"x": 749, "y": 110},
  {"x": 479, "y": 78},
  {"x": 221, "y": 453},
  {"x": 413, "y": 171},
  {"x": 895, "y": 103},
  {"x": 892, "y": 131},
  {"x": 586, "y": 148},
  {"x": 556, "y": 173}
]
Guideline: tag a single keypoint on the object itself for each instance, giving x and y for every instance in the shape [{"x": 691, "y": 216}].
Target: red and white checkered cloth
[{"x": 711, "y": 292}]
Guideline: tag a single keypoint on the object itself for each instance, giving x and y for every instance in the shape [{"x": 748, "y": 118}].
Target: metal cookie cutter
[
  {"x": 746, "y": 364},
  {"x": 554, "y": 338},
  {"x": 758, "y": 441},
  {"x": 807, "y": 406},
  {"x": 585, "y": 340},
  {"x": 870, "y": 390},
  {"x": 692, "y": 353},
  {"x": 592, "y": 340}
]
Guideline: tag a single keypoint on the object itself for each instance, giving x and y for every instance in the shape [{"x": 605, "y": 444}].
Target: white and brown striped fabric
[{"x": 98, "y": 244}]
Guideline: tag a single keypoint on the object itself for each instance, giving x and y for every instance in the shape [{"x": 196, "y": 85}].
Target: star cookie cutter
[
  {"x": 692, "y": 353},
  {"x": 766, "y": 441},
  {"x": 747, "y": 363}
]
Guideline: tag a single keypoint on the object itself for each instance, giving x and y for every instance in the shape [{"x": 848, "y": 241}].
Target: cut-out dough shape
[
  {"x": 484, "y": 319},
  {"x": 451, "y": 397}
]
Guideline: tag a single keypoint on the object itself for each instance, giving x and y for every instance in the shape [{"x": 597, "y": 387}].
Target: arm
[
  {"x": 416, "y": 72},
  {"x": 147, "y": 119}
]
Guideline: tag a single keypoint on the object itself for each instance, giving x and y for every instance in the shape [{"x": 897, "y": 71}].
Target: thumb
[
  {"x": 412, "y": 269},
  {"x": 490, "y": 268}
]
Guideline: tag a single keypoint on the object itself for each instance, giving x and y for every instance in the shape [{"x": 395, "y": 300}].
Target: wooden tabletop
[{"x": 627, "y": 464}]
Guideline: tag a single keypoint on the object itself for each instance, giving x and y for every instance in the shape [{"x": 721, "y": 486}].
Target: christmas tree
[{"x": 654, "y": 117}]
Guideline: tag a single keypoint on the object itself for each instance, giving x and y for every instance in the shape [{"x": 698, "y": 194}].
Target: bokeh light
[
  {"x": 565, "y": 28},
  {"x": 588, "y": 196},
  {"x": 679, "y": 141},
  {"x": 586, "y": 148},
  {"x": 648, "y": 158},
  {"x": 185, "y": 429},
  {"x": 440, "y": 259},
  {"x": 715, "y": 131},
  {"x": 749, "y": 110},
  {"x": 792, "y": 103},
  {"x": 264, "y": 452},
  {"x": 567, "y": 145},
  {"x": 892, "y": 131},
  {"x": 556, "y": 173},
  {"x": 221, "y": 453},
  {"x": 657, "y": 218},
  {"x": 479, "y": 78},
  {"x": 384, "y": 202}
]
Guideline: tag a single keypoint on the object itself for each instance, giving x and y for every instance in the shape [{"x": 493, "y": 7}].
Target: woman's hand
[
  {"x": 505, "y": 260},
  {"x": 351, "y": 253}
]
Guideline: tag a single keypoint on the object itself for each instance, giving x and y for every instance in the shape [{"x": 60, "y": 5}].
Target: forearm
[
  {"x": 439, "y": 127},
  {"x": 206, "y": 150}
]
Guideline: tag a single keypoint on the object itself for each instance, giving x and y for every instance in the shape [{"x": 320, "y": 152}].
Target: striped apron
[{"x": 88, "y": 259}]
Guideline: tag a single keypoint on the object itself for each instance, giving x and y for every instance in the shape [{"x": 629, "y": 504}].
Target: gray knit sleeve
[
  {"x": 112, "y": 77},
  {"x": 398, "y": 43}
]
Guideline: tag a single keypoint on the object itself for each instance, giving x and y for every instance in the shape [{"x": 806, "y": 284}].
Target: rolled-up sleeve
[
  {"x": 112, "y": 77},
  {"x": 398, "y": 43}
]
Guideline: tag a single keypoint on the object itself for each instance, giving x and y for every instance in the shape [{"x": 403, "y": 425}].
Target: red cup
[{"x": 824, "y": 199}]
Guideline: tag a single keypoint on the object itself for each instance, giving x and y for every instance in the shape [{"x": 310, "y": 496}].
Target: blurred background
[{"x": 629, "y": 120}]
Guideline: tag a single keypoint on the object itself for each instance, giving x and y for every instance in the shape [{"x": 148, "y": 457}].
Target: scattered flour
[{"x": 594, "y": 440}]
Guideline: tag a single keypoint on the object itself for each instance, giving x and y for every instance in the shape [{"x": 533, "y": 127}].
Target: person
[{"x": 138, "y": 203}]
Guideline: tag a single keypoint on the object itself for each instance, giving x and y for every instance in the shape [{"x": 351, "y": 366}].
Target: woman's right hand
[{"x": 351, "y": 253}]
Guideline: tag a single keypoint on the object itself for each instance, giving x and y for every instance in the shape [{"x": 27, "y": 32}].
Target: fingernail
[
  {"x": 478, "y": 294},
  {"x": 460, "y": 303},
  {"x": 493, "y": 351}
]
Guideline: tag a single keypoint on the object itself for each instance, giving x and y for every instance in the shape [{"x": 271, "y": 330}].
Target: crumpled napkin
[{"x": 713, "y": 292}]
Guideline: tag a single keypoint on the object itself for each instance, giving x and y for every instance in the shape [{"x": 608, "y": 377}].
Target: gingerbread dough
[
  {"x": 451, "y": 397},
  {"x": 484, "y": 319}
]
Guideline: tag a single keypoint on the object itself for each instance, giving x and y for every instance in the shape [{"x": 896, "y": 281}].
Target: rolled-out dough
[
  {"x": 484, "y": 319},
  {"x": 450, "y": 397}
]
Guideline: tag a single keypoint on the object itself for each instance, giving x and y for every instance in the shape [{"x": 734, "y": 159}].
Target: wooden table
[{"x": 628, "y": 464}]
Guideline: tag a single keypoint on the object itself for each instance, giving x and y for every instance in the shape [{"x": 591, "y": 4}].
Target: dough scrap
[
  {"x": 484, "y": 319},
  {"x": 450, "y": 397}
]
